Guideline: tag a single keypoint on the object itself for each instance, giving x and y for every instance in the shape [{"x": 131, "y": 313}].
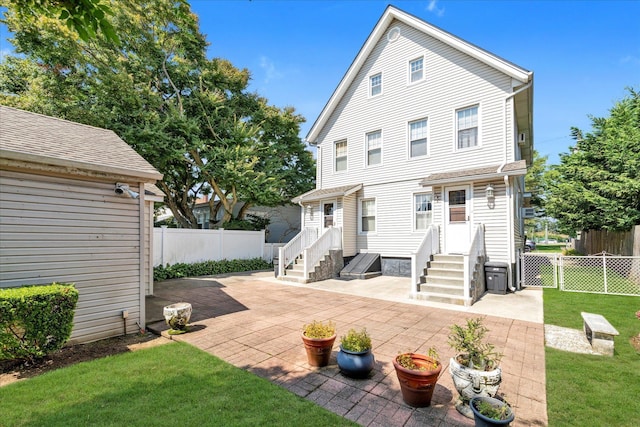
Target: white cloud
[
  {"x": 433, "y": 7},
  {"x": 630, "y": 59},
  {"x": 271, "y": 73}
]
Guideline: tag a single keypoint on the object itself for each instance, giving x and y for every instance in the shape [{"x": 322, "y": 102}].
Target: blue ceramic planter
[{"x": 355, "y": 364}]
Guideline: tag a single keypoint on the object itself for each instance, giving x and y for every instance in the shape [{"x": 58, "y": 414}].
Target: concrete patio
[{"x": 254, "y": 322}]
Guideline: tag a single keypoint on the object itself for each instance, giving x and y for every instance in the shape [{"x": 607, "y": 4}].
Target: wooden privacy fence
[
  {"x": 624, "y": 243},
  {"x": 179, "y": 245}
]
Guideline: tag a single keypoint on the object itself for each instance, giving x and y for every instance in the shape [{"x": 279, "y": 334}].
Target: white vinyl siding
[
  {"x": 374, "y": 148},
  {"x": 375, "y": 84},
  {"x": 341, "y": 151},
  {"x": 422, "y": 211},
  {"x": 467, "y": 128},
  {"x": 416, "y": 70},
  {"x": 418, "y": 138},
  {"x": 349, "y": 225},
  {"x": 74, "y": 231}
]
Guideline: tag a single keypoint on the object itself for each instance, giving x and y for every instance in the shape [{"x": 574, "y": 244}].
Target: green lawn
[
  {"x": 172, "y": 384},
  {"x": 588, "y": 390},
  {"x": 550, "y": 248}
]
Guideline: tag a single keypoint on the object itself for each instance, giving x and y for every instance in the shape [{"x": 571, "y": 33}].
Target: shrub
[
  {"x": 208, "y": 268},
  {"x": 474, "y": 353},
  {"x": 317, "y": 329},
  {"x": 356, "y": 341},
  {"x": 35, "y": 320},
  {"x": 571, "y": 252}
]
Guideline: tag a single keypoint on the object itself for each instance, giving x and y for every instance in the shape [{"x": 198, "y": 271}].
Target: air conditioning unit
[
  {"x": 522, "y": 138},
  {"x": 528, "y": 213}
]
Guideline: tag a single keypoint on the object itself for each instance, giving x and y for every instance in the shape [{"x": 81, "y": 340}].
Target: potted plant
[
  {"x": 318, "y": 340},
  {"x": 474, "y": 369},
  {"x": 489, "y": 411},
  {"x": 417, "y": 374},
  {"x": 355, "y": 358}
]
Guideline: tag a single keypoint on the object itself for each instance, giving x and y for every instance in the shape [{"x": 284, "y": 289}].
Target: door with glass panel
[{"x": 457, "y": 223}]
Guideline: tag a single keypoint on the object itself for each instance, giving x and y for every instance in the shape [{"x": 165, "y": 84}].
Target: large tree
[
  {"x": 191, "y": 117},
  {"x": 597, "y": 185}
]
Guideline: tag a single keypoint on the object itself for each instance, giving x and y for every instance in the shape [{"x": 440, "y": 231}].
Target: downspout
[
  {"x": 508, "y": 195},
  {"x": 504, "y": 122}
]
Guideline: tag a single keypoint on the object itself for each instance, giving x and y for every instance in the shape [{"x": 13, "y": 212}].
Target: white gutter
[
  {"x": 509, "y": 196},
  {"x": 504, "y": 121}
]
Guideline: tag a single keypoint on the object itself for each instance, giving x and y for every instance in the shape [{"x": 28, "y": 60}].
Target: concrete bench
[{"x": 599, "y": 332}]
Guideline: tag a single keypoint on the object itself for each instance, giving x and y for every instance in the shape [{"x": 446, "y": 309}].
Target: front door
[
  {"x": 328, "y": 212},
  {"x": 457, "y": 225}
]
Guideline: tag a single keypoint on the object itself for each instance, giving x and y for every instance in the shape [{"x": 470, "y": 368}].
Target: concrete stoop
[
  {"x": 327, "y": 268},
  {"x": 443, "y": 280}
]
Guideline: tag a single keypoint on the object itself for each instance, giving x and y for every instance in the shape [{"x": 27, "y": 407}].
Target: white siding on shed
[{"x": 73, "y": 231}]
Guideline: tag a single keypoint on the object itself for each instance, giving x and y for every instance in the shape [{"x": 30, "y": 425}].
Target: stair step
[
  {"x": 448, "y": 265},
  {"x": 439, "y": 280},
  {"x": 444, "y": 272},
  {"x": 442, "y": 289},
  {"x": 442, "y": 298},
  {"x": 448, "y": 258}
]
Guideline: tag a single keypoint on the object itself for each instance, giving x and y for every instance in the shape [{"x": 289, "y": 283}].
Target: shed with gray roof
[{"x": 61, "y": 219}]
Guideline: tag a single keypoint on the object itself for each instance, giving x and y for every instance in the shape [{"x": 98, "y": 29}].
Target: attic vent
[{"x": 393, "y": 34}]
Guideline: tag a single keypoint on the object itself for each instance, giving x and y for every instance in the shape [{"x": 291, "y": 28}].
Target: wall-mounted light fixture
[
  {"x": 489, "y": 192},
  {"x": 436, "y": 197}
]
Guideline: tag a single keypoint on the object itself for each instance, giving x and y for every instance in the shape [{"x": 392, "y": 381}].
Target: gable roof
[
  {"x": 388, "y": 16},
  {"x": 36, "y": 138},
  {"x": 325, "y": 193}
]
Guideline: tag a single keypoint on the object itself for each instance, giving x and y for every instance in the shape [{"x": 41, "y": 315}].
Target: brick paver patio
[{"x": 256, "y": 324}]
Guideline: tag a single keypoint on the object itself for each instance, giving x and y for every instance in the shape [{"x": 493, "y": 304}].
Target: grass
[
  {"x": 551, "y": 248},
  {"x": 172, "y": 384},
  {"x": 589, "y": 390}
]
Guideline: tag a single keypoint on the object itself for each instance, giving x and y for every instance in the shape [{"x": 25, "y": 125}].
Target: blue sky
[{"x": 583, "y": 53}]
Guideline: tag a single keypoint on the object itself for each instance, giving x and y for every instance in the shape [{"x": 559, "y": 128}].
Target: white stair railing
[
  {"x": 330, "y": 239},
  {"x": 289, "y": 252},
  {"x": 430, "y": 245},
  {"x": 471, "y": 257}
]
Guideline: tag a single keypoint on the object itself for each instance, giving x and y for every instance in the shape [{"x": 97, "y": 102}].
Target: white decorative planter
[
  {"x": 471, "y": 383},
  {"x": 177, "y": 315}
]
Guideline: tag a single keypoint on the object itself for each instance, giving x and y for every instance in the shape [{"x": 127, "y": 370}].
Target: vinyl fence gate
[{"x": 602, "y": 273}]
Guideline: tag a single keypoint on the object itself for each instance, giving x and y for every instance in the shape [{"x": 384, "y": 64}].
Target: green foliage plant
[
  {"x": 473, "y": 352},
  {"x": 498, "y": 413},
  {"x": 319, "y": 330},
  {"x": 35, "y": 320},
  {"x": 356, "y": 341},
  {"x": 209, "y": 268},
  {"x": 571, "y": 252},
  {"x": 406, "y": 360}
]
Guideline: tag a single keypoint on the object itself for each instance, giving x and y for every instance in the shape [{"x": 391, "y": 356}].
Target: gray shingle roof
[
  {"x": 49, "y": 140},
  {"x": 322, "y": 193},
  {"x": 488, "y": 172}
]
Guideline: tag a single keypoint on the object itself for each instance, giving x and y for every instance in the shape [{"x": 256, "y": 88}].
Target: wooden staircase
[{"x": 443, "y": 280}]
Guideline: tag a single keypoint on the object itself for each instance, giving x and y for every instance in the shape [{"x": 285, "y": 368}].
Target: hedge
[
  {"x": 208, "y": 268},
  {"x": 35, "y": 320}
]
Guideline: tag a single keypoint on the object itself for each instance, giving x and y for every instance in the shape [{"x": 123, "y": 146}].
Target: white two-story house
[{"x": 421, "y": 155}]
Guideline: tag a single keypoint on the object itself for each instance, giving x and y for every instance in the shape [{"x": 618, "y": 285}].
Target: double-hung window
[
  {"x": 467, "y": 127},
  {"x": 416, "y": 70},
  {"x": 341, "y": 155},
  {"x": 423, "y": 211},
  {"x": 418, "y": 138},
  {"x": 375, "y": 84},
  {"x": 374, "y": 148},
  {"x": 367, "y": 215}
]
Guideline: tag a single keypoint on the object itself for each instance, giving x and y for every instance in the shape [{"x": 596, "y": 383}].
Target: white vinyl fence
[{"x": 179, "y": 245}]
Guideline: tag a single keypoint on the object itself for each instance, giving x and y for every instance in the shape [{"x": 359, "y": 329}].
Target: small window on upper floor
[
  {"x": 374, "y": 148},
  {"x": 375, "y": 84},
  {"x": 467, "y": 127},
  {"x": 416, "y": 70},
  {"x": 340, "y": 155},
  {"x": 418, "y": 138}
]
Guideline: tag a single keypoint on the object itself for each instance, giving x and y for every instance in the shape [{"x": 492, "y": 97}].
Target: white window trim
[
  {"x": 334, "y": 158},
  {"x": 455, "y": 128},
  {"x": 424, "y": 74},
  {"x": 408, "y": 138},
  {"x": 375, "y": 202},
  {"x": 413, "y": 209},
  {"x": 369, "y": 86},
  {"x": 366, "y": 149}
]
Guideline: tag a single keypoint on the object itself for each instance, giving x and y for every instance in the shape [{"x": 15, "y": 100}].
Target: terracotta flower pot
[
  {"x": 417, "y": 386},
  {"x": 318, "y": 350}
]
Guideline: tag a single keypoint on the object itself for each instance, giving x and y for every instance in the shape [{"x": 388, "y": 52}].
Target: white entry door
[
  {"x": 328, "y": 215},
  {"x": 457, "y": 234}
]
